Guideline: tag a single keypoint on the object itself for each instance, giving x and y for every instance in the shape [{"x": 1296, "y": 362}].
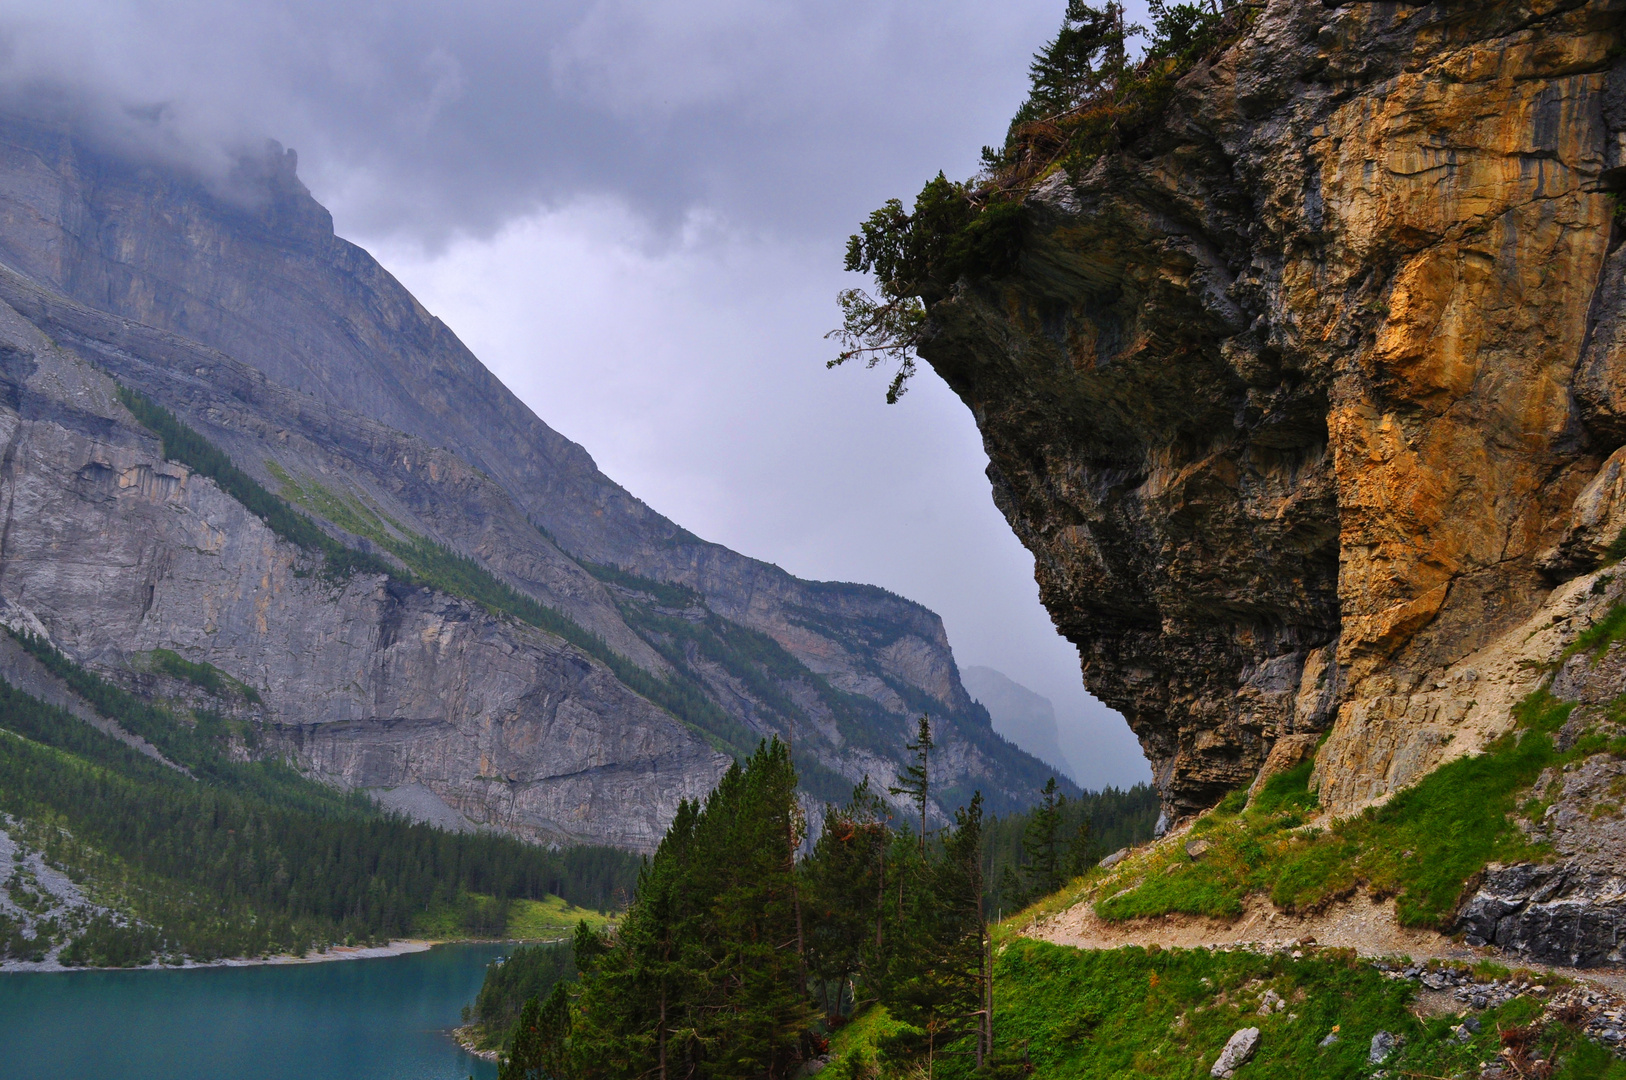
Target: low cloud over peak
[{"x": 436, "y": 119}]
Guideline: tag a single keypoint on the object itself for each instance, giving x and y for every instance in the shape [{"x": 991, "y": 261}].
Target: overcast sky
[{"x": 634, "y": 212}]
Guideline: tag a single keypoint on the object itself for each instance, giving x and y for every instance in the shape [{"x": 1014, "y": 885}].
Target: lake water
[{"x": 383, "y": 1019}]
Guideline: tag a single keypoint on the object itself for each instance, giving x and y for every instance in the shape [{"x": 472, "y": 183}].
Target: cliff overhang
[{"x": 1303, "y": 398}]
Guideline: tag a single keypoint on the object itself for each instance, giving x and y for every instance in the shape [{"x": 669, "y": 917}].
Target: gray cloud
[
  {"x": 634, "y": 211},
  {"x": 439, "y": 118}
]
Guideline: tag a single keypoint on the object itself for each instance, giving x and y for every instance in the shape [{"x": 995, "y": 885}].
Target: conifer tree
[
  {"x": 939, "y": 980},
  {"x": 704, "y": 979},
  {"x": 1081, "y": 851},
  {"x": 538, "y": 1047},
  {"x": 846, "y": 893},
  {"x": 915, "y": 780},
  {"x": 1042, "y": 842},
  {"x": 630, "y": 986},
  {"x": 1086, "y": 57},
  {"x": 756, "y": 1012}
]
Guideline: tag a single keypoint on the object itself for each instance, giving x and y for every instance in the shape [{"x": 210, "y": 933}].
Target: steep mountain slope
[
  {"x": 1022, "y": 716},
  {"x": 522, "y": 644}
]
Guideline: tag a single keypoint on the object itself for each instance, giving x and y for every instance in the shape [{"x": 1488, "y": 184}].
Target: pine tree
[
  {"x": 939, "y": 980},
  {"x": 846, "y": 892},
  {"x": 538, "y": 1047},
  {"x": 915, "y": 780},
  {"x": 1042, "y": 842},
  {"x": 1013, "y": 895},
  {"x": 755, "y": 1012},
  {"x": 704, "y": 978},
  {"x": 1085, "y": 59},
  {"x": 633, "y": 990},
  {"x": 1081, "y": 850}
]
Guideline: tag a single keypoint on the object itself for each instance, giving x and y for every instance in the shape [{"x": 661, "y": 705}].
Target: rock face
[
  {"x": 292, "y": 351},
  {"x": 1293, "y": 398}
]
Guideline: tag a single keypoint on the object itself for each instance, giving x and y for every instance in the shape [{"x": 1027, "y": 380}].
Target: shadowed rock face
[{"x": 1291, "y": 399}]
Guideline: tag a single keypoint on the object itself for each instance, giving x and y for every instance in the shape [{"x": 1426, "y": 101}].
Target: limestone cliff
[
  {"x": 292, "y": 351},
  {"x": 1306, "y": 398}
]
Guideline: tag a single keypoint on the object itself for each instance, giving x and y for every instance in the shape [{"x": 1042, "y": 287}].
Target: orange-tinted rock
[{"x": 1315, "y": 370}]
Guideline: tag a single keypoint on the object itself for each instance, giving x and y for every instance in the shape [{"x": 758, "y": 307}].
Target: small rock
[
  {"x": 1237, "y": 1051},
  {"x": 1383, "y": 1045},
  {"x": 1114, "y": 859},
  {"x": 1472, "y": 1024},
  {"x": 1462, "y": 1034},
  {"x": 1332, "y": 1037},
  {"x": 1271, "y": 1002},
  {"x": 1197, "y": 848}
]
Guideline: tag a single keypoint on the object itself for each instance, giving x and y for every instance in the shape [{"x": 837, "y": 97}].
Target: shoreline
[
  {"x": 464, "y": 1037},
  {"x": 398, "y": 947}
]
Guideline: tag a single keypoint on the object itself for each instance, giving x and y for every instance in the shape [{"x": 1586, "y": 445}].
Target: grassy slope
[
  {"x": 1138, "y": 1012},
  {"x": 550, "y": 919},
  {"x": 1421, "y": 847}
]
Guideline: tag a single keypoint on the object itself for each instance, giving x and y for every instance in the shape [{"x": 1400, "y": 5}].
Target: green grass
[
  {"x": 550, "y": 919},
  {"x": 1420, "y": 847},
  {"x": 480, "y": 915},
  {"x": 855, "y": 1046},
  {"x": 1597, "y": 638},
  {"x": 1133, "y": 1013}
]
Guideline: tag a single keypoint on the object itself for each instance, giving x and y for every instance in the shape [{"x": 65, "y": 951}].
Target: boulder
[{"x": 1238, "y": 1050}]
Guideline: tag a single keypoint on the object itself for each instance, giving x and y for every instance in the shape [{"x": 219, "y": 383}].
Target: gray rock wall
[{"x": 368, "y": 683}]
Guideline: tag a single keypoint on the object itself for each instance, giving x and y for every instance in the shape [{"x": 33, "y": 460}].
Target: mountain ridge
[{"x": 389, "y": 434}]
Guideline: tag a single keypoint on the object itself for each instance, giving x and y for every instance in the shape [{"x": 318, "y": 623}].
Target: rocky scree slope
[
  {"x": 546, "y": 656},
  {"x": 1308, "y": 397}
]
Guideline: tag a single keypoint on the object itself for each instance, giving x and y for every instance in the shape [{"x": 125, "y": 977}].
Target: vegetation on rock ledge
[{"x": 1087, "y": 99}]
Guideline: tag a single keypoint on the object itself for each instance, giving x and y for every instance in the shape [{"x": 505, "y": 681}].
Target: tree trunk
[{"x": 660, "y": 1035}]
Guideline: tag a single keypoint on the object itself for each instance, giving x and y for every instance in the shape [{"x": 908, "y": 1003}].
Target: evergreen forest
[
  {"x": 750, "y": 943},
  {"x": 199, "y": 856}
]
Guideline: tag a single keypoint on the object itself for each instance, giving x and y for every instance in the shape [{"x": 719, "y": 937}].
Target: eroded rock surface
[
  {"x": 369, "y": 682},
  {"x": 236, "y": 308},
  {"x": 1292, "y": 398}
]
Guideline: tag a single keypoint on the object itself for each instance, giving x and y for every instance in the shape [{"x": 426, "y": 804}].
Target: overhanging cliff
[{"x": 1293, "y": 394}]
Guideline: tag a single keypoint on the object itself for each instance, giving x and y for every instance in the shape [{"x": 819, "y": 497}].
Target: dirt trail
[{"x": 1361, "y": 923}]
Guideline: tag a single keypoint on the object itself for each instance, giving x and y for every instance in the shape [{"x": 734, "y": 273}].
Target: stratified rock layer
[
  {"x": 232, "y": 304},
  {"x": 1293, "y": 398}
]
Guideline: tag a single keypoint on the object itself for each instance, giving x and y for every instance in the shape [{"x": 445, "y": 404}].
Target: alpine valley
[{"x": 268, "y": 524}]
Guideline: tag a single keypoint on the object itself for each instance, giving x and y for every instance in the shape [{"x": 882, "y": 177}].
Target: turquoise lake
[{"x": 384, "y": 1019}]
